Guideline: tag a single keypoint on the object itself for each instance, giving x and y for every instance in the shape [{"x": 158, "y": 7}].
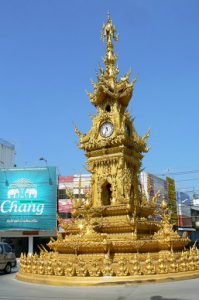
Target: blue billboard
[
  {"x": 183, "y": 198},
  {"x": 184, "y": 204},
  {"x": 28, "y": 199}
]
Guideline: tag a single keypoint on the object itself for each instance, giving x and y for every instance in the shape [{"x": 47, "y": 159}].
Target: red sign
[
  {"x": 63, "y": 179},
  {"x": 184, "y": 221},
  {"x": 64, "y": 206}
]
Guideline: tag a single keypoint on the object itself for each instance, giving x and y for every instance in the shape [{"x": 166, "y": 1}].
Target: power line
[
  {"x": 188, "y": 179},
  {"x": 178, "y": 173}
]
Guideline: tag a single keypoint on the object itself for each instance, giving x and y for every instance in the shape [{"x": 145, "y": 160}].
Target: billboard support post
[{"x": 30, "y": 244}]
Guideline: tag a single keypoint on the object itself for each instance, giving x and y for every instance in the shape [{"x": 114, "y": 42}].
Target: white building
[{"x": 7, "y": 154}]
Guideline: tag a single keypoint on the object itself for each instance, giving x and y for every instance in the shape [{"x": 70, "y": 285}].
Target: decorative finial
[
  {"x": 109, "y": 31},
  {"x": 108, "y": 35}
]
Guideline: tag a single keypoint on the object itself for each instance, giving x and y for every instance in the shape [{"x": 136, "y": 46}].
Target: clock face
[{"x": 106, "y": 129}]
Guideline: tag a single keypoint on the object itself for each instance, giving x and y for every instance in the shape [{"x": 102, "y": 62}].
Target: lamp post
[
  {"x": 50, "y": 179},
  {"x": 44, "y": 159}
]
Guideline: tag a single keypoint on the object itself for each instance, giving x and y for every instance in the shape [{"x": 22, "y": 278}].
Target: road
[{"x": 11, "y": 289}]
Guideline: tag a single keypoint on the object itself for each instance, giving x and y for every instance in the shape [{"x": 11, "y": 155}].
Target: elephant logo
[
  {"x": 22, "y": 189},
  {"x": 13, "y": 193},
  {"x": 31, "y": 193}
]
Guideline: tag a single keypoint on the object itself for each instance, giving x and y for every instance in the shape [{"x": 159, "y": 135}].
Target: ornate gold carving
[
  {"x": 82, "y": 269},
  {"x": 173, "y": 267},
  {"x": 135, "y": 265},
  {"x": 122, "y": 269},
  {"x": 58, "y": 268},
  {"x": 95, "y": 270},
  {"x": 162, "y": 264},
  {"x": 183, "y": 262},
  {"x": 69, "y": 269},
  {"x": 149, "y": 268},
  {"x": 107, "y": 269},
  {"x": 49, "y": 268}
]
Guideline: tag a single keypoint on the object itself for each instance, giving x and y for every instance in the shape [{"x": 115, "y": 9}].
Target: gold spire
[
  {"x": 108, "y": 85},
  {"x": 108, "y": 35}
]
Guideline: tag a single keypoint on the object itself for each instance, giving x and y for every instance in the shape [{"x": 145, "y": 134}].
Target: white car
[{"x": 7, "y": 258}]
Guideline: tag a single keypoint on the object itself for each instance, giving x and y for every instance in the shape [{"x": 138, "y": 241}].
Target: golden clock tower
[
  {"x": 114, "y": 233},
  {"x": 113, "y": 147}
]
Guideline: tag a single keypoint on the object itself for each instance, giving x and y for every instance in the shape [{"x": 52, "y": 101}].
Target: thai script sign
[{"x": 28, "y": 199}]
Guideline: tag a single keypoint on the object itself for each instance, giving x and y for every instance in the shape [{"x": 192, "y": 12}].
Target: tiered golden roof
[
  {"x": 115, "y": 230},
  {"x": 107, "y": 85}
]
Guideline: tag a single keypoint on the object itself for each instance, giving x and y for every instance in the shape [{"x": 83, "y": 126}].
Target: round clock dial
[{"x": 106, "y": 129}]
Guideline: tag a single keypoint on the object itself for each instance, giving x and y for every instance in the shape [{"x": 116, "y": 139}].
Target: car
[{"x": 7, "y": 258}]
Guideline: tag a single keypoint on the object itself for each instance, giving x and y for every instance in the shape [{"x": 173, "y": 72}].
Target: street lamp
[
  {"x": 44, "y": 159},
  {"x": 50, "y": 179}
]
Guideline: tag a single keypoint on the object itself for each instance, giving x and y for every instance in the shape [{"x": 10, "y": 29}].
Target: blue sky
[{"x": 49, "y": 51}]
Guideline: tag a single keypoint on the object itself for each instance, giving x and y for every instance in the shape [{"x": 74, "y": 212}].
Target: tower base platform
[{"x": 105, "y": 280}]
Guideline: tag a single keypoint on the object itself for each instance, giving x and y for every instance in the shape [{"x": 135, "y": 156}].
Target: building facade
[
  {"x": 7, "y": 154},
  {"x": 151, "y": 185},
  {"x": 76, "y": 186}
]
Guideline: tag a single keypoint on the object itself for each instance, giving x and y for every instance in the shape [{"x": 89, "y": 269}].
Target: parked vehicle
[{"x": 7, "y": 258}]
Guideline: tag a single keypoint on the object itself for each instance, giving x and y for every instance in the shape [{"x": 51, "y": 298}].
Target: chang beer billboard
[{"x": 28, "y": 199}]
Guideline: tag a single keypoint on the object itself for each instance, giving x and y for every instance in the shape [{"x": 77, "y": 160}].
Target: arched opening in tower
[{"x": 106, "y": 193}]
